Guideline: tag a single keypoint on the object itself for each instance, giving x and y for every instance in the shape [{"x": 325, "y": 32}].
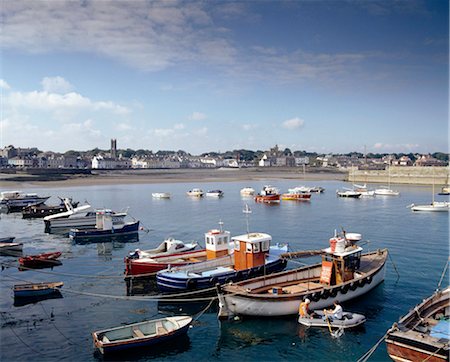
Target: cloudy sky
[{"x": 324, "y": 76}]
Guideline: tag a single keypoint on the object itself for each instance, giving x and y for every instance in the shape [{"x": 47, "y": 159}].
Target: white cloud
[
  {"x": 201, "y": 131},
  {"x": 4, "y": 85},
  {"x": 398, "y": 147},
  {"x": 178, "y": 126},
  {"x": 123, "y": 127},
  {"x": 46, "y": 101},
  {"x": 248, "y": 127},
  {"x": 293, "y": 123},
  {"x": 56, "y": 85},
  {"x": 197, "y": 116}
]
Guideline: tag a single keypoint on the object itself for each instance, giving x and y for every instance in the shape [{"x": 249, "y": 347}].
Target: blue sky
[{"x": 324, "y": 76}]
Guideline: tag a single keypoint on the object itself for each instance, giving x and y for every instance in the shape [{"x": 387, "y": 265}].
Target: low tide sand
[{"x": 118, "y": 177}]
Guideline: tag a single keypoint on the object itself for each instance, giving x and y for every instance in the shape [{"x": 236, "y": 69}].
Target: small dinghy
[
  {"x": 36, "y": 289},
  {"x": 141, "y": 334},
  {"x": 349, "y": 320}
]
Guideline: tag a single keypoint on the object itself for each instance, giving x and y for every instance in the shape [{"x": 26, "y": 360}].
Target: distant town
[{"x": 114, "y": 158}]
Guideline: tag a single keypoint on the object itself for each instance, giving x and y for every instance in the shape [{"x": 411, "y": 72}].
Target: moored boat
[
  {"x": 445, "y": 190},
  {"x": 344, "y": 273},
  {"x": 296, "y": 194},
  {"x": 268, "y": 194},
  {"x": 195, "y": 192},
  {"x": 423, "y": 333},
  {"x": 363, "y": 190},
  {"x": 81, "y": 217},
  {"x": 7, "y": 239},
  {"x": 169, "y": 252},
  {"x": 161, "y": 195},
  {"x": 348, "y": 193},
  {"x": 214, "y": 193},
  {"x": 16, "y": 200},
  {"x": 142, "y": 334},
  {"x": 11, "y": 249},
  {"x": 40, "y": 260},
  {"x": 105, "y": 228},
  {"x": 42, "y": 210},
  {"x": 36, "y": 289},
  {"x": 247, "y": 191},
  {"x": 434, "y": 206},
  {"x": 227, "y": 260}
]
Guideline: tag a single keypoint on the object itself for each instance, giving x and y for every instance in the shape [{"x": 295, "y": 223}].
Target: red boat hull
[
  {"x": 267, "y": 198},
  {"x": 40, "y": 260},
  {"x": 148, "y": 267}
]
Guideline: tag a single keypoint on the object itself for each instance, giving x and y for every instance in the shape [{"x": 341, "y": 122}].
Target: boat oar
[{"x": 338, "y": 332}]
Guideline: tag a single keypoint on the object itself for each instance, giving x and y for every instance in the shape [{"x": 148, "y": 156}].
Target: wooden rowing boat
[
  {"x": 44, "y": 260},
  {"x": 139, "y": 335},
  {"x": 36, "y": 289}
]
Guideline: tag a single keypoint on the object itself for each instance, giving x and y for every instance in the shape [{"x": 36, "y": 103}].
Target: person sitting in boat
[
  {"x": 335, "y": 313},
  {"x": 303, "y": 309}
]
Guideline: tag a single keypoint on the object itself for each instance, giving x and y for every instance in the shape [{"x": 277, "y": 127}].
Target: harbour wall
[{"x": 402, "y": 175}]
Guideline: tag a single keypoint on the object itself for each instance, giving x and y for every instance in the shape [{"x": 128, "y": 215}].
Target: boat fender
[
  {"x": 315, "y": 297},
  {"x": 213, "y": 281},
  {"x": 369, "y": 279},
  {"x": 353, "y": 286},
  {"x": 334, "y": 292},
  {"x": 325, "y": 294},
  {"x": 191, "y": 283},
  {"x": 228, "y": 280},
  {"x": 344, "y": 289},
  {"x": 239, "y": 275}
]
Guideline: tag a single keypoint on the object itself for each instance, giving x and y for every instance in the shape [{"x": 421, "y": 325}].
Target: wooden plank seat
[
  {"x": 162, "y": 330},
  {"x": 138, "y": 333},
  {"x": 300, "y": 287}
]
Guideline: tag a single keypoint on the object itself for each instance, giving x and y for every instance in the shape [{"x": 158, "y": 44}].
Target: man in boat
[
  {"x": 303, "y": 309},
  {"x": 335, "y": 313}
]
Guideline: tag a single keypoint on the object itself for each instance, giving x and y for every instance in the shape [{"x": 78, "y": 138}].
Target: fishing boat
[
  {"x": 344, "y": 274},
  {"x": 316, "y": 189},
  {"x": 195, "y": 193},
  {"x": 105, "y": 228},
  {"x": 142, "y": 334},
  {"x": 42, "y": 210},
  {"x": 228, "y": 260},
  {"x": 12, "y": 249},
  {"x": 268, "y": 194},
  {"x": 16, "y": 200},
  {"x": 36, "y": 289},
  {"x": 161, "y": 195},
  {"x": 423, "y": 333},
  {"x": 214, "y": 193},
  {"x": 81, "y": 217},
  {"x": 445, "y": 190},
  {"x": 296, "y": 194},
  {"x": 40, "y": 260},
  {"x": 320, "y": 319},
  {"x": 348, "y": 193},
  {"x": 169, "y": 252},
  {"x": 247, "y": 191}
]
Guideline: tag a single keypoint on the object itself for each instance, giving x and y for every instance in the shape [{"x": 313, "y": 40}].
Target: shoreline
[{"x": 154, "y": 176}]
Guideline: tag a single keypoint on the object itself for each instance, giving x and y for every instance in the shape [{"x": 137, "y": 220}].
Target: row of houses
[{"x": 32, "y": 158}]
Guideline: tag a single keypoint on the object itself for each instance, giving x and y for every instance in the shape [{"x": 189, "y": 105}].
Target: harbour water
[{"x": 94, "y": 292}]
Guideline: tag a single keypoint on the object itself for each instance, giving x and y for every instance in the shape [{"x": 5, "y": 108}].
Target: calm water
[{"x": 59, "y": 329}]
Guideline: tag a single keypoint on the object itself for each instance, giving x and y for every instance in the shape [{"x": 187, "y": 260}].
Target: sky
[{"x": 211, "y": 76}]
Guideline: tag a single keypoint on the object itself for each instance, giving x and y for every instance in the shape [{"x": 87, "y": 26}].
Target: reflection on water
[{"x": 21, "y": 301}]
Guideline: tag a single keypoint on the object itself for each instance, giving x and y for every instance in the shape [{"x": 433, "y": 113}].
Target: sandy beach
[{"x": 120, "y": 177}]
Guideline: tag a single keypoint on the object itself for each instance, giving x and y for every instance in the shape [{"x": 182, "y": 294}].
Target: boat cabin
[
  {"x": 341, "y": 259},
  {"x": 250, "y": 250},
  {"x": 104, "y": 219},
  {"x": 217, "y": 242}
]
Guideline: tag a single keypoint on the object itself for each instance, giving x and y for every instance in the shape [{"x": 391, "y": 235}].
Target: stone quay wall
[{"x": 402, "y": 175}]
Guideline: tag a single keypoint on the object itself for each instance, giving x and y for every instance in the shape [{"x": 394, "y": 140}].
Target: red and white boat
[
  {"x": 170, "y": 251},
  {"x": 297, "y": 194},
  {"x": 268, "y": 194}
]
